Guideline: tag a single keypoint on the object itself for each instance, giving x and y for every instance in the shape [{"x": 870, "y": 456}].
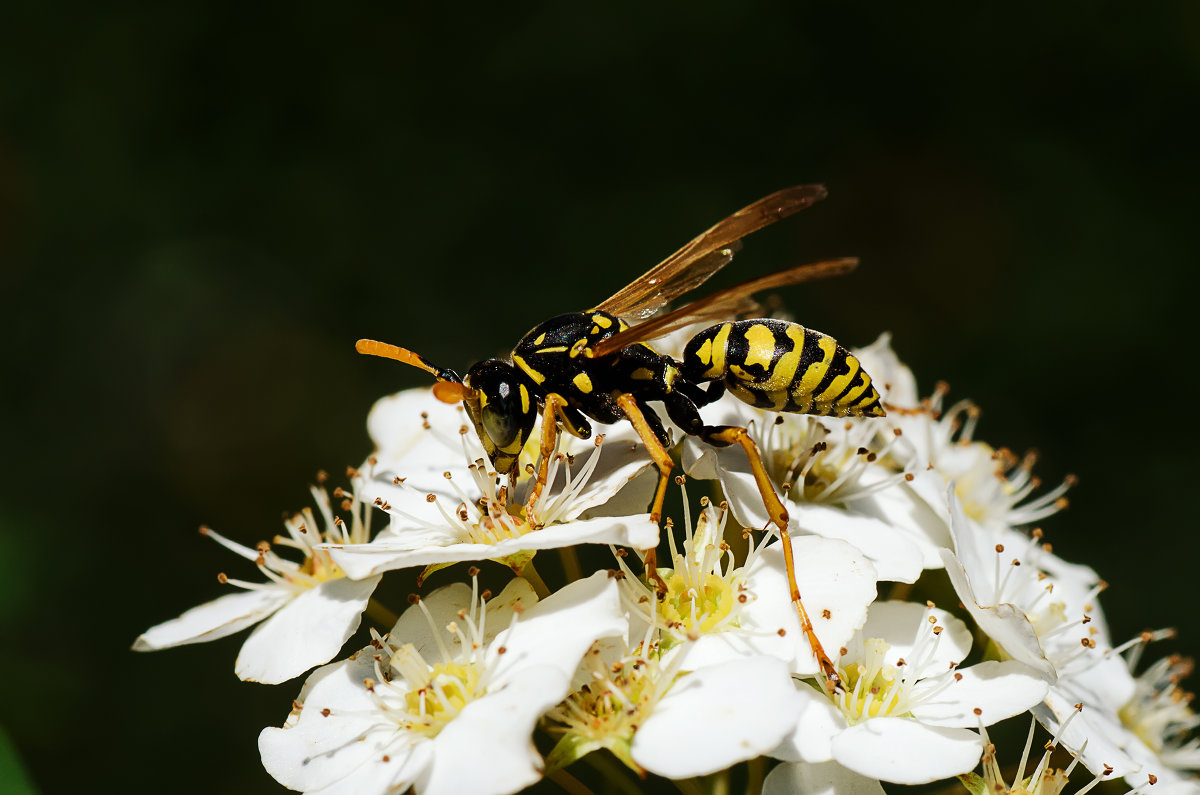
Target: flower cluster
[{"x": 704, "y": 664}]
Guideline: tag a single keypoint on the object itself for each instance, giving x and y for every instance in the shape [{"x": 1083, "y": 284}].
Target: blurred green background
[{"x": 203, "y": 205}]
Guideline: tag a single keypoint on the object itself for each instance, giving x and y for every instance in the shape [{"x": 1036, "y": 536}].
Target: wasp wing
[
  {"x": 722, "y": 305},
  {"x": 690, "y": 266}
]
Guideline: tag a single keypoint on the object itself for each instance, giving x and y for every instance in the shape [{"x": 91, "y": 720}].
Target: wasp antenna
[{"x": 402, "y": 355}]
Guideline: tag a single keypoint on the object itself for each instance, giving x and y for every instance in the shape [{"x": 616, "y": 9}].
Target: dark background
[{"x": 203, "y": 205}]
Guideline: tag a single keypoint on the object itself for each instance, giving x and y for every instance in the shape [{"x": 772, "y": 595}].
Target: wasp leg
[
  {"x": 646, "y": 429},
  {"x": 724, "y": 435},
  {"x": 550, "y": 410}
]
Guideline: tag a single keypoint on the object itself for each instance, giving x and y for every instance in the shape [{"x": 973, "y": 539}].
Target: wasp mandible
[{"x": 597, "y": 365}]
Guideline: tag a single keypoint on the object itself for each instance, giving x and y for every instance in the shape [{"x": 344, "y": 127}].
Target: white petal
[
  {"x": 559, "y": 630},
  {"x": 998, "y": 689},
  {"x": 215, "y": 619},
  {"x": 718, "y": 716},
  {"x": 621, "y": 461},
  {"x": 905, "y": 509},
  {"x": 487, "y": 748},
  {"x": 895, "y": 557},
  {"x": 338, "y": 732},
  {"x": 1006, "y": 624},
  {"x": 905, "y": 751},
  {"x": 905, "y": 625},
  {"x": 1108, "y": 741},
  {"x": 633, "y": 496},
  {"x": 818, "y": 723},
  {"x": 364, "y": 560},
  {"x": 397, "y": 428},
  {"x": 891, "y": 376},
  {"x": 429, "y": 635},
  {"x": 828, "y": 778},
  {"x": 836, "y": 583},
  {"x": 308, "y": 631}
]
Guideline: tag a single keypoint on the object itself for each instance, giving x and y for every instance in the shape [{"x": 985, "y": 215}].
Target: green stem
[
  {"x": 688, "y": 786},
  {"x": 612, "y": 774},
  {"x": 570, "y": 562},
  {"x": 754, "y": 776},
  {"x": 568, "y": 782},
  {"x": 720, "y": 783},
  {"x": 381, "y": 615},
  {"x": 535, "y": 579},
  {"x": 900, "y": 590}
]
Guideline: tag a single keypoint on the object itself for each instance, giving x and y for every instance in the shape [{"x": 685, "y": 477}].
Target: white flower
[
  {"x": 654, "y": 718},
  {"x": 716, "y": 611},
  {"x": 447, "y": 504},
  {"x": 906, "y": 709},
  {"x": 825, "y": 778},
  {"x": 1042, "y": 780},
  {"x": 832, "y": 477},
  {"x": 1142, "y": 728},
  {"x": 996, "y": 487},
  {"x": 1049, "y": 623},
  {"x": 447, "y": 702},
  {"x": 310, "y": 607}
]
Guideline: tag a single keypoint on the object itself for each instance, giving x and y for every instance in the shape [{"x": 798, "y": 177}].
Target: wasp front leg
[
  {"x": 555, "y": 410},
  {"x": 650, "y": 429}
]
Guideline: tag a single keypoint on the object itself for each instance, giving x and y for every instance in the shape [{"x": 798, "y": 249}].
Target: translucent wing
[
  {"x": 690, "y": 266},
  {"x": 722, "y": 305}
]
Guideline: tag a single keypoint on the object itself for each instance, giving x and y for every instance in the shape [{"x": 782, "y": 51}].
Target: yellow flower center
[
  {"x": 614, "y": 709},
  {"x": 695, "y": 608},
  {"x": 449, "y": 688},
  {"x": 872, "y": 688}
]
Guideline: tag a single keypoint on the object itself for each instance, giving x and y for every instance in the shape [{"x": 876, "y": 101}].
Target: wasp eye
[{"x": 501, "y": 426}]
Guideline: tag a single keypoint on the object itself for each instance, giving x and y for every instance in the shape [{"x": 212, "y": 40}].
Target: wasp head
[{"x": 502, "y": 408}]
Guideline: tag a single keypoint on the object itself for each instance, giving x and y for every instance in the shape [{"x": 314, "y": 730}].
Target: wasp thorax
[{"x": 502, "y": 409}]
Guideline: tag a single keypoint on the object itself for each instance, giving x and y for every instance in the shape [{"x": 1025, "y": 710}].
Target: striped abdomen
[{"x": 782, "y": 366}]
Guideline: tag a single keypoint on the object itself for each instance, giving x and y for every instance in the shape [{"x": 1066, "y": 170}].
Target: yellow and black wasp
[{"x": 597, "y": 365}]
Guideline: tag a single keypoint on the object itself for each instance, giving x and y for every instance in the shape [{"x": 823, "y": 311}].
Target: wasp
[{"x": 597, "y": 365}]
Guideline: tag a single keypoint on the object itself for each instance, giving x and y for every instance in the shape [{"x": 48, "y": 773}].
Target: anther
[
  {"x": 486, "y": 595},
  {"x": 473, "y": 571},
  {"x": 413, "y": 598},
  {"x": 351, "y": 472},
  {"x": 325, "y": 713},
  {"x": 782, "y": 632},
  {"x": 222, "y": 578},
  {"x": 825, "y": 614},
  {"x": 430, "y": 498}
]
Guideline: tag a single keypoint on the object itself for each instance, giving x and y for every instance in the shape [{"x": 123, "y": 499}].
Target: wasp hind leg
[
  {"x": 725, "y": 435},
  {"x": 649, "y": 428}
]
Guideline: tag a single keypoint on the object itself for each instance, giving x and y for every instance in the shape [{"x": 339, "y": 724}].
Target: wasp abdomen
[{"x": 782, "y": 366}]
